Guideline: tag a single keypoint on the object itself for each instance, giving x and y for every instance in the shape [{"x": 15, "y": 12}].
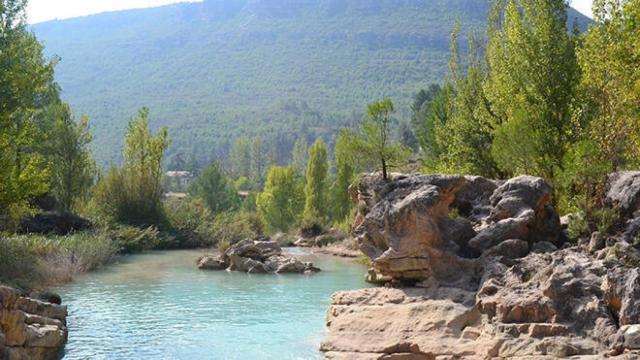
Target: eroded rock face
[
  {"x": 30, "y": 329},
  {"x": 483, "y": 272},
  {"x": 255, "y": 257},
  {"x": 418, "y": 227},
  {"x": 623, "y": 194}
]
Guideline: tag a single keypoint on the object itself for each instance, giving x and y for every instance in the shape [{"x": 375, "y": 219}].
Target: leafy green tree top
[
  {"x": 213, "y": 187},
  {"x": 282, "y": 201},
  {"x": 299, "y": 156},
  {"x": 373, "y": 144},
  {"x": 27, "y": 88},
  {"x": 72, "y": 167},
  {"x": 315, "y": 207},
  {"x": 345, "y": 174},
  {"x": 610, "y": 61},
  {"x": 532, "y": 85}
]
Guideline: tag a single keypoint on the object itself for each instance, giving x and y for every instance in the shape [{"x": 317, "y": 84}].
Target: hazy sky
[{"x": 43, "y": 10}]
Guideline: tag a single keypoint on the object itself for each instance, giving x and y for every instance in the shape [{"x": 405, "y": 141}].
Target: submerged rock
[
  {"x": 30, "y": 329},
  {"x": 256, "y": 257},
  {"x": 484, "y": 272}
]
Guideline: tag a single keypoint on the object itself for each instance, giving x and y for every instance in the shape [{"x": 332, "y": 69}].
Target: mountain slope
[{"x": 216, "y": 70}]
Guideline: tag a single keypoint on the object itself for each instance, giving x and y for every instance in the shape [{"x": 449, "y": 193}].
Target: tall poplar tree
[
  {"x": 281, "y": 202},
  {"x": 316, "y": 187},
  {"x": 345, "y": 174},
  {"x": 532, "y": 85}
]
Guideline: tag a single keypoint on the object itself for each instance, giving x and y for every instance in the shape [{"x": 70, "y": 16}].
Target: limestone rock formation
[
  {"x": 481, "y": 269},
  {"x": 418, "y": 227},
  {"x": 255, "y": 257},
  {"x": 30, "y": 329}
]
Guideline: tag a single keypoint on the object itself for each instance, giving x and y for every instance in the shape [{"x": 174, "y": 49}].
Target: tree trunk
[{"x": 384, "y": 170}]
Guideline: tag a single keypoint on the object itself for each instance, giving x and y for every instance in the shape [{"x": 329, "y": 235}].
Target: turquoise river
[{"x": 159, "y": 306}]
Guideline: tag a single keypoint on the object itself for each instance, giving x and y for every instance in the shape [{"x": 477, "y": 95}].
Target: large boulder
[
  {"x": 416, "y": 227},
  {"x": 30, "y": 328},
  {"x": 623, "y": 195},
  {"x": 253, "y": 256}
]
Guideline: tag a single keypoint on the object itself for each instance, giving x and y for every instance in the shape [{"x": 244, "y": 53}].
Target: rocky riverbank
[
  {"x": 31, "y": 329},
  {"x": 477, "y": 268}
]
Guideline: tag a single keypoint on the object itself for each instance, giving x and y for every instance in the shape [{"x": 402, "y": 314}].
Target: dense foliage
[
  {"x": 281, "y": 202},
  {"x": 538, "y": 98},
  {"x": 217, "y": 70},
  {"x": 133, "y": 193},
  {"x": 215, "y": 189},
  {"x": 27, "y": 89},
  {"x": 316, "y": 188}
]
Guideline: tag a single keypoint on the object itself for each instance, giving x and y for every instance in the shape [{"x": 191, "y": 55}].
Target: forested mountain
[{"x": 215, "y": 70}]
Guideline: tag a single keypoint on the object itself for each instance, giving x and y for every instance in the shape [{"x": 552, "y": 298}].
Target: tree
[
  {"x": 27, "y": 87},
  {"x": 282, "y": 200},
  {"x": 133, "y": 194},
  {"x": 464, "y": 141},
  {"x": 610, "y": 63},
  {"x": 72, "y": 166},
  {"x": 433, "y": 113},
  {"x": 241, "y": 157},
  {"x": 373, "y": 143},
  {"x": 299, "y": 156},
  {"x": 259, "y": 160},
  {"x": 345, "y": 174},
  {"x": 217, "y": 192},
  {"x": 315, "y": 206},
  {"x": 532, "y": 84}
]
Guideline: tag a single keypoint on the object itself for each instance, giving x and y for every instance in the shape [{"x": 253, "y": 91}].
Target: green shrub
[
  {"x": 131, "y": 239},
  {"x": 344, "y": 225},
  {"x": 234, "y": 227},
  {"x": 578, "y": 226},
  {"x": 132, "y": 194},
  {"x": 191, "y": 222}
]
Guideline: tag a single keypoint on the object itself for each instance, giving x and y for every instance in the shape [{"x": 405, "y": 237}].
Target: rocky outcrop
[
  {"x": 421, "y": 226},
  {"x": 256, "y": 257},
  {"x": 30, "y": 329},
  {"x": 477, "y": 269}
]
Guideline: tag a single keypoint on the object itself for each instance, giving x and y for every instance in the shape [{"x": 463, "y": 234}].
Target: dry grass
[{"x": 34, "y": 261}]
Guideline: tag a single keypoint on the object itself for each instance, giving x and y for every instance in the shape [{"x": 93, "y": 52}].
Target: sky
[{"x": 44, "y": 10}]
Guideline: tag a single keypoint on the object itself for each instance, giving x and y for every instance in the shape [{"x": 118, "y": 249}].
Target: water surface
[{"x": 159, "y": 306}]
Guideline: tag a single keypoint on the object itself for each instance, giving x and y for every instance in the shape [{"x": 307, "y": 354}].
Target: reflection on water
[{"x": 159, "y": 306}]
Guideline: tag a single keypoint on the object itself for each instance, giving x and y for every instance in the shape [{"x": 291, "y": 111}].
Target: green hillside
[{"x": 217, "y": 70}]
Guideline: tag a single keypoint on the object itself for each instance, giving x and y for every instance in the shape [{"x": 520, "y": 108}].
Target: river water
[{"x": 159, "y": 306}]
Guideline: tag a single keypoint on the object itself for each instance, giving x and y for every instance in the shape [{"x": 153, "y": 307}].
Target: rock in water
[
  {"x": 485, "y": 273},
  {"x": 30, "y": 329},
  {"x": 256, "y": 257}
]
